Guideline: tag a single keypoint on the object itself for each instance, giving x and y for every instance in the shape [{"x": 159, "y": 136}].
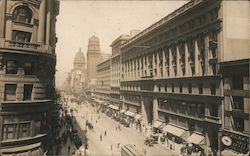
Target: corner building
[
  {"x": 27, "y": 68},
  {"x": 171, "y": 71}
]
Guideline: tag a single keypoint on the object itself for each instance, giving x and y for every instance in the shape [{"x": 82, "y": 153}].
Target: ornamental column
[
  {"x": 196, "y": 59},
  {"x": 48, "y": 18},
  {"x": 41, "y": 28},
  {"x": 155, "y": 109},
  {"x": 2, "y": 18}
]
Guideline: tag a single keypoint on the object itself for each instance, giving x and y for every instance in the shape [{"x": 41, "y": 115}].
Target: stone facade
[
  {"x": 102, "y": 90},
  {"x": 76, "y": 79},
  {"x": 171, "y": 71},
  {"x": 27, "y": 68},
  {"x": 93, "y": 58}
]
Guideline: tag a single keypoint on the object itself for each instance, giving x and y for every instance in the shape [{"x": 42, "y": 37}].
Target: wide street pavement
[{"x": 109, "y": 145}]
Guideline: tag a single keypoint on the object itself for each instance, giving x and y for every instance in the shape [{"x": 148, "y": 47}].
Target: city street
[{"x": 114, "y": 139}]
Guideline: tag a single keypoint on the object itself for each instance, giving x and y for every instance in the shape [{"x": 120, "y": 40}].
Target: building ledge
[{"x": 22, "y": 141}]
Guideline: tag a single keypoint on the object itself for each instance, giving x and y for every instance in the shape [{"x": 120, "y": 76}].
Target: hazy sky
[{"x": 79, "y": 20}]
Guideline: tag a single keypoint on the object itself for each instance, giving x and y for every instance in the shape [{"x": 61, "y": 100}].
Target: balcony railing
[{"x": 27, "y": 45}]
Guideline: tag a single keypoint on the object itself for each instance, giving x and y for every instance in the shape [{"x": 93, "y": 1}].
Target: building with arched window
[{"x": 27, "y": 68}]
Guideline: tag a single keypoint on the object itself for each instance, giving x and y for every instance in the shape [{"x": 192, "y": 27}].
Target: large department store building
[
  {"x": 173, "y": 73},
  {"x": 27, "y": 68}
]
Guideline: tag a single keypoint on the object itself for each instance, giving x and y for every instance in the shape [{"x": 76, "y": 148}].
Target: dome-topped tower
[
  {"x": 93, "y": 57},
  {"x": 94, "y": 45},
  {"x": 80, "y": 60}
]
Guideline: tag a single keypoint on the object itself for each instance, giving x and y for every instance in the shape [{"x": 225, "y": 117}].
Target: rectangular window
[
  {"x": 21, "y": 36},
  {"x": 180, "y": 87},
  {"x": 27, "y": 94},
  {"x": 237, "y": 82},
  {"x": 190, "y": 88},
  {"x": 24, "y": 130},
  {"x": 166, "y": 87},
  {"x": 159, "y": 87},
  {"x": 238, "y": 102},
  {"x": 172, "y": 86},
  {"x": 11, "y": 67},
  {"x": 9, "y": 131},
  {"x": 10, "y": 92},
  {"x": 28, "y": 68},
  {"x": 213, "y": 89},
  {"x": 238, "y": 124},
  {"x": 200, "y": 88}
]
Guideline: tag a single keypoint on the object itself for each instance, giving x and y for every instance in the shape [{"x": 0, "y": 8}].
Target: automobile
[{"x": 149, "y": 141}]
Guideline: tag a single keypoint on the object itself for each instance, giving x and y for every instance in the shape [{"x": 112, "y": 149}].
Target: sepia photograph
[{"x": 124, "y": 78}]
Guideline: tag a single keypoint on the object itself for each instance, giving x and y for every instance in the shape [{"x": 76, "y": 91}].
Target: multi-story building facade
[
  {"x": 116, "y": 70},
  {"x": 236, "y": 125},
  {"x": 27, "y": 68},
  {"x": 93, "y": 58},
  {"x": 102, "y": 91},
  {"x": 171, "y": 71}
]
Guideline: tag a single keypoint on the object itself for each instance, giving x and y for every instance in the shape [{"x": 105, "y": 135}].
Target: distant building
[
  {"x": 27, "y": 82},
  {"x": 76, "y": 79},
  {"x": 93, "y": 57}
]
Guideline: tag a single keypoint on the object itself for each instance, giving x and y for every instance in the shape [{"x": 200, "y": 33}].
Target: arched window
[{"x": 22, "y": 14}]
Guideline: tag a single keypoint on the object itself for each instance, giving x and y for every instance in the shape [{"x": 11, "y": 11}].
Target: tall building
[
  {"x": 172, "y": 73},
  {"x": 102, "y": 90},
  {"x": 27, "y": 68},
  {"x": 76, "y": 79},
  {"x": 93, "y": 57},
  {"x": 78, "y": 74},
  {"x": 116, "y": 70}
]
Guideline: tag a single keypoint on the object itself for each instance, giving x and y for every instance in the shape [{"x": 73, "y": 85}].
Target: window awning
[
  {"x": 114, "y": 107},
  {"x": 173, "y": 130},
  {"x": 122, "y": 111},
  {"x": 137, "y": 116},
  {"x": 157, "y": 124},
  {"x": 229, "y": 152},
  {"x": 196, "y": 139},
  {"x": 131, "y": 114}
]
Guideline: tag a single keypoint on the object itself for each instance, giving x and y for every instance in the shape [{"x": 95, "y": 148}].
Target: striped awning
[
  {"x": 157, "y": 124},
  {"x": 122, "y": 111},
  {"x": 196, "y": 139},
  {"x": 173, "y": 130},
  {"x": 131, "y": 114},
  {"x": 137, "y": 116},
  {"x": 114, "y": 107}
]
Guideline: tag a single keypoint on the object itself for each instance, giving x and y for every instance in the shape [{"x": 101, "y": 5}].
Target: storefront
[
  {"x": 114, "y": 111},
  {"x": 197, "y": 140},
  {"x": 174, "y": 133},
  {"x": 234, "y": 144},
  {"x": 158, "y": 126},
  {"x": 130, "y": 117}
]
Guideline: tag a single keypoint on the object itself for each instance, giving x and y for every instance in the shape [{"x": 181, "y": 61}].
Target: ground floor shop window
[{"x": 16, "y": 130}]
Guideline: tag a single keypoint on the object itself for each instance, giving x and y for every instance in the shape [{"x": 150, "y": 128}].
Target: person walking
[
  {"x": 101, "y": 137},
  {"x": 105, "y": 133}
]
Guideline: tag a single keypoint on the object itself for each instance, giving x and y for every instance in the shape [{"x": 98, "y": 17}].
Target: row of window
[
  {"x": 180, "y": 121},
  {"x": 12, "y": 67},
  {"x": 170, "y": 88},
  {"x": 10, "y": 92},
  {"x": 184, "y": 108}
]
